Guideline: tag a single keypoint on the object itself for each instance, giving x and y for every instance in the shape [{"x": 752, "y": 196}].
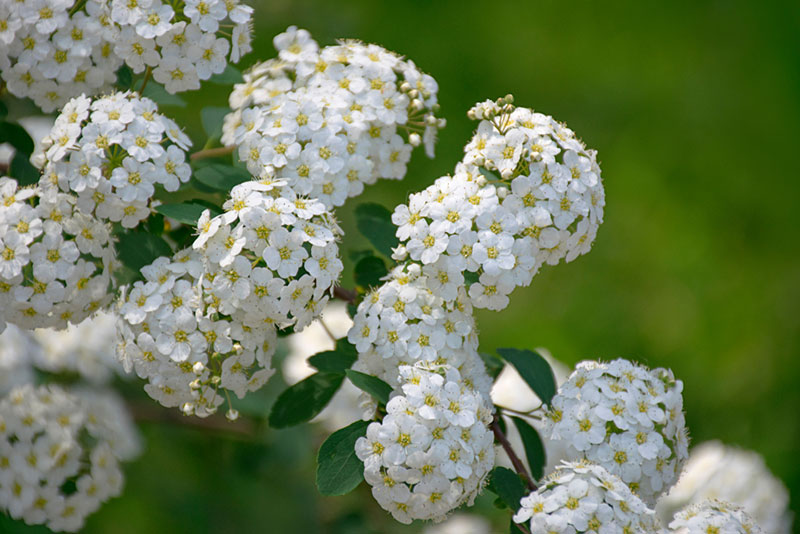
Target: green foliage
[
  {"x": 338, "y": 360},
  {"x": 221, "y": 177},
  {"x": 373, "y": 385},
  {"x": 156, "y": 92},
  {"x": 137, "y": 249},
  {"x": 16, "y": 136},
  {"x": 369, "y": 271},
  {"x": 3, "y": 111},
  {"x": 185, "y": 213},
  {"x": 507, "y": 485},
  {"x": 229, "y": 76},
  {"x": 212, "y": 118},
  {"x": 534, "y": 369},
  {"x": 375, "y": 223},
  {"x": 304, "y": 400},
  {"x": 339, "y": 470},
  {"x": 534, "y": 448},
  {"x": 124, "y": 78},
  {"x": 494, "y": 365}
]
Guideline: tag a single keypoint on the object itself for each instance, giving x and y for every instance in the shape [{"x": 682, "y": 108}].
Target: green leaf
[
  {"x": 375, "y": 223},
  {"x": 212, "y": 118},
  {"x": 22, "y": 170},
  {"x": 371, "y": 384},
  {"x": 302, "y": 401},
  {"x": 137, "y": 249},
  {"x": 470, "y": 278},
  {"x": 534, "y": 448},
  {"x": 493, "y": 364},
  {"x": 186, "y": 213},
  {"x": 124, "y": 77},
  {"x": 160, "y": 96},
  {"x": 3, "y": 111},
  {"x": 221, "y": 177},
  {"x": 16, "y": 136},
  {"x": 513, "y": 528},
  {"x": 229, "y": 76},
  {"x": 507, "y": 485},
  {"x": 339, "y": 470},
  {"x": 369, "y": 271},
  {"x": 489, "y": 175},
  {"x": 338, "y": 360},
  {"x": 154, "y": 224},
  {"x": 534, "y": 369}
]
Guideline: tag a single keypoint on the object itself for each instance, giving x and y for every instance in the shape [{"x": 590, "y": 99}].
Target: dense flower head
[
  {"x": 56, "y": 261},
  {"x": 60, "y": 452},
  {"x": 625, "y": 417},
  {"x": 714, "y": 517},
  {"x": 52, "y": 50},
  {"x": 112, "y": 152},
  {"x": 733, "y": 475},
  {"x": 543, "y": 202},
  {"x": 331, "y": 120},
  {"x": 208, "y": 318},
  {"x": 581, "y": 497},
  {"x": 433, "y": 449}
]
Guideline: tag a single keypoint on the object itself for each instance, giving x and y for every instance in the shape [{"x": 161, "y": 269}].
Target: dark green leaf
[
  {"x": 16, "y": 136},
  {"x": 375, "y": 223},
  {"x": 3, "y": 112},
  {"x": 339, "y": 470},
  {"x": 369, "y": 271},
  {"x": 186, "y": 213},
  {"x": 507, "y": 485},
  {"x": 22, "y": 170},
  {"x": 160, "y": 96},
  {"x": 534, "y": 369},
  {"x": 534, "y": 448},
  {"x": 489, "y": 175},
  {"x": 137, "y": 249},
  {"x": 371, "y": 384},
  {"x": 302, "y": 401},
  {"x": 229, "y": 76},
  {"x": 357, "y": 255},
  {"x": 212, "y": 118},
  {"x": 470, "y": 278},
  {"x": 493, "y": 364},
  {"x": 221, "y": 177},
  {"x": 335, "y": 361},
  {"x": 124, "y": 77},
  {"x": 513, "y": 528},
  {"x": 155, "y": 224}
]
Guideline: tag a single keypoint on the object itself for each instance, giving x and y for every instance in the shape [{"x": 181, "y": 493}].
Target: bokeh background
[{"x": 693, "y": 107}]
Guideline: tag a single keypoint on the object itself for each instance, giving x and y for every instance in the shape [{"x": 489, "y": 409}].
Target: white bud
[
  {"x": 502, "y": 192},
  {"x": 187, "y": 408},
  {"x": 232, "y": 415},
  {"x": 481, "y": 180},
  {"x": 414, "y": 139},
  {"x": 198, "y": 368},
  {"x": 442, "y": 123},
  {"x": 215, "y": 380},
  {"x": 195, "y": 384},
  {"x": 506, "y": 174},
  {"x": 430, "y": 120},
  {"x": 417, "y": 104},
  {"x": 399, "y": 253},
  {"x": 413, "y": 93},
  {"x": 405, "y": 87}
]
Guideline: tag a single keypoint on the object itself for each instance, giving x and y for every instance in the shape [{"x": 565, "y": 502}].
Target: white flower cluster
[
  {"x": 56, "y": 261},
  {"x": 15, "y": 367},
  {"x": 715, "y": 517},
  {"x": 209, "y": 317},
  {"x": 331, "y": 120},
  {"x": 60, "y": 453},
  {"x": 52, "y": 50},
  {"x": 545, "y": 205},
  {"x": 112, "y": 152},
  {"x": 626, "y": 418},
  {"x": 582, "y": 497},
  {"x": 730, "y": 474},
  {"x": 433, "y": 449}
]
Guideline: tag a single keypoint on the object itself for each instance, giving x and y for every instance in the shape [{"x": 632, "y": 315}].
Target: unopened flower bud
[
  {"x": 442, "y": 123},
  {"x": 430, "y": 120},
  {"x": 413, "y": 93},
  {"x": 414, "y": 139},
  {"x": 198, "y": 368},
  {"x": 405, "y": 87},
  {"x": 187, "y": 408},
  {"x": 502, "y": 192},
  {"x": 507, "y": 174},
  {"x": 417, "y": 104},
  {"x": 195, "y": 384},
  {"x": 480, "y": 180},
  {"x": 232, "y": 415}
]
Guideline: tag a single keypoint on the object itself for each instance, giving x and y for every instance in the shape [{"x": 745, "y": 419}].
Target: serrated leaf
[
  {"x": 335, "y": 361},
  {"x": 212, "y": 118},
  {"x": 160, "y": 96},
  {"x": 137, "y": 249},
  {"x": 369, "y": 271},
  {"x": 375, "y": 223},
  {"x": 507, "y": 485},
  {"x": 16, "y": 136},
  {"x": 339, "y": 470},
  {"x": 494, "y": 365},
  {"x": 534, "y": 369},
  {"x": 229, "y": 76},
  {"x": 373, "y": 385},
  {"x": 304, "y": 400},
  {"x": 534, "y": 448},
  {"x": 221, "y": 177},
  {"x": 186, "y": 213},
  {"x": 22, "y": 170}
]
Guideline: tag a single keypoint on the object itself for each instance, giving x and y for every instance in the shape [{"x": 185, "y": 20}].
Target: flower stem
[
  {"x": 519, "y": 467},
  {"x": 212, "y": 152}
]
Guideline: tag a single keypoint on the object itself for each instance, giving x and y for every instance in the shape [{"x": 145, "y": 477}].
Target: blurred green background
[{"x": 693, "y": 107}]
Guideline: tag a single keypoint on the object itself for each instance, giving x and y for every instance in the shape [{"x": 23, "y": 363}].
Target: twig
[
  {"x": 152, "y": 414},
  {"x": 347, "y": 295},
  {"x": 212, "y": 152},
  {"x": 517, "y": 412},
  {"x": 515, "y": 461},
  {"x": 146, "y": 79}
]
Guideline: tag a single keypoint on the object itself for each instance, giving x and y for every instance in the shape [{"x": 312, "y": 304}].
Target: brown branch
[
  {"x": 519, "y": 467},
  {"x": 347, "y": 295},
  {"x": 212, "y": 152},
  {"x": 147, "y": 413}
]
